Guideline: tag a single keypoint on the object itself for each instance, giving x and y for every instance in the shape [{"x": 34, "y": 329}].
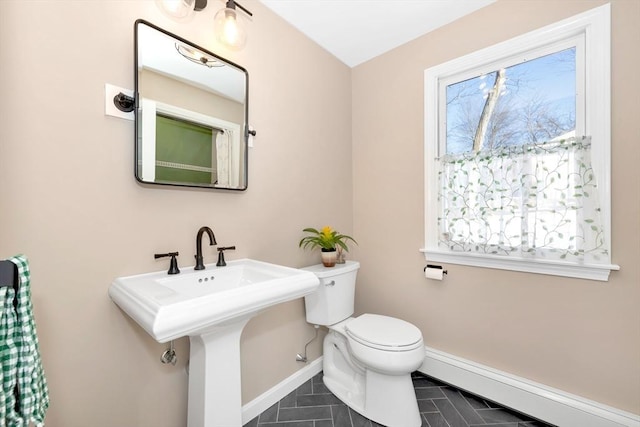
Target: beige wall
[
  {"x": 579, "y": 336},
  {"x": 71, "y": 203}
]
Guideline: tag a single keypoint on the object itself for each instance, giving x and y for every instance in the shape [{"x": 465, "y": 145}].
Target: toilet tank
[{"x": 333, "y": 302}]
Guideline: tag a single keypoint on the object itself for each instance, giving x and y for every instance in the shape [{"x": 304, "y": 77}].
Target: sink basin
[{"x": 187, "y": 304}]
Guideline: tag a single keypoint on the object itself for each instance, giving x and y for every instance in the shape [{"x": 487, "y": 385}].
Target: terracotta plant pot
[{"x": 329, "y": 257}]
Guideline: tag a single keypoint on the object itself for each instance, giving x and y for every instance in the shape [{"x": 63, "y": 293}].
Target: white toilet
[{"x": 368, "y": 359}]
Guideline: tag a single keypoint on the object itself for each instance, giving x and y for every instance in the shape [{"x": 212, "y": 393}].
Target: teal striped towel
[{"x": 20, "y": 356}]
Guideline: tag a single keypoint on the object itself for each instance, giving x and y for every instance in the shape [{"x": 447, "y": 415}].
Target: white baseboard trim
[
  {"x": 542, "y": 402},
  {"x": 280, "y": 390}
]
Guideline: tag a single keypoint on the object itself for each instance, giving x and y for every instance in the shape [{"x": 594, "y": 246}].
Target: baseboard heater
[
  {"x": 545, "y": 403},
  {"x": 537, "y": 400}
]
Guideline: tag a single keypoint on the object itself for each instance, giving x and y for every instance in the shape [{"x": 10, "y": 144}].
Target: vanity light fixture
[
  {"x": 229, "y": 26},
  {"x": 198, "y": 57}
]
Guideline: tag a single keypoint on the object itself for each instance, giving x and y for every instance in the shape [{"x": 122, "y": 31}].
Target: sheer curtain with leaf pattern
[{"x": 530, "y": 201}]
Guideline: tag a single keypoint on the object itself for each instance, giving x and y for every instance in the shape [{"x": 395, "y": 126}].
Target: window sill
[{"x": 555, "y": 268}]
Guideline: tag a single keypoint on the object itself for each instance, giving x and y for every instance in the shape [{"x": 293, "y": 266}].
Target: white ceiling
[{"x": 357, "y": 30}]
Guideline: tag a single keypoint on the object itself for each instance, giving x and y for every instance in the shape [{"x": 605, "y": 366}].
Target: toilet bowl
[{"x": 368, "y": 359}]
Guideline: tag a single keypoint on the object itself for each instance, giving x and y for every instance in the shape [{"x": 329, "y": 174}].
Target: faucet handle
[
  {"x": 221, "y": 262},
  {"x": 173, "y": 265}
]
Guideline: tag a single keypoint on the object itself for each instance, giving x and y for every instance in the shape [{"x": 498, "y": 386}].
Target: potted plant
[{"x": 328, "y": 240}]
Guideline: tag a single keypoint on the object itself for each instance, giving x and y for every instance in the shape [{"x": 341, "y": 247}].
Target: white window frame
[{"x": 594, "y": 27}]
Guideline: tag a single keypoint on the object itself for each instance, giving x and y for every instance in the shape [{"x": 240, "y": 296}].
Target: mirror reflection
[{"x": 191, "y": 115}]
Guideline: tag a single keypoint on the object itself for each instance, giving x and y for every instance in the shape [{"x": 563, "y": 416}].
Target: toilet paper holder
[{"x": 438, "y": 267}]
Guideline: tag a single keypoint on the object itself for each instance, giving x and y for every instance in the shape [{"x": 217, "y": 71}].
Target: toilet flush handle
[{"x": 331, "y": 283}]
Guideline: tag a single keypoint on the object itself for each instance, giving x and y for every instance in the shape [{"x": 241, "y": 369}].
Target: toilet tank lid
[
  {"x": 323, "y": 272},
  {"x": 384, "y": 331}
]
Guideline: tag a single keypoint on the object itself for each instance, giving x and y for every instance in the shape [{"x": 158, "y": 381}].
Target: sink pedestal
[{"x": 215, "y": 398}]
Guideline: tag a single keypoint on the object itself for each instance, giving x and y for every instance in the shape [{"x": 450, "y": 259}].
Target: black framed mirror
[{"x": 191, "y": 113}]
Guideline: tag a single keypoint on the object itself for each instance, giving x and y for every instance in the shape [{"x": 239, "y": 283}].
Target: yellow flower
[{"x": 327, "y": 231}]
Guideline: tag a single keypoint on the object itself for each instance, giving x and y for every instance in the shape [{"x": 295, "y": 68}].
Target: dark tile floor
[{"x": 312, "y": 405}]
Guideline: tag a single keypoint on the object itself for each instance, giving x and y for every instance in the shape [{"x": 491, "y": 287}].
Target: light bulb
[
  {"x": 230, "y": 29},
  {"x": 177, "y": 9}
]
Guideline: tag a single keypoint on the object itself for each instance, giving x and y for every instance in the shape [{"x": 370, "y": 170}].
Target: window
[{"x": 517, "y": 153}]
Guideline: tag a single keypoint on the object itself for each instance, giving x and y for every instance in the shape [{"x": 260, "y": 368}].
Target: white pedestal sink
[{"x": 211, "y": 307}]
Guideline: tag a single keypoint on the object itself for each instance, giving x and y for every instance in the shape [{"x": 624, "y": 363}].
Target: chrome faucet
[{"x": 212, "y": 241}]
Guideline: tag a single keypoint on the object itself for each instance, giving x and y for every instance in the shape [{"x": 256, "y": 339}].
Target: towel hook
[{"x": 9, "y": 275}]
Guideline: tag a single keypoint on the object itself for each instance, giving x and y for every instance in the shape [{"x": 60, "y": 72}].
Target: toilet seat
[{"x": 384, "y": 333}]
